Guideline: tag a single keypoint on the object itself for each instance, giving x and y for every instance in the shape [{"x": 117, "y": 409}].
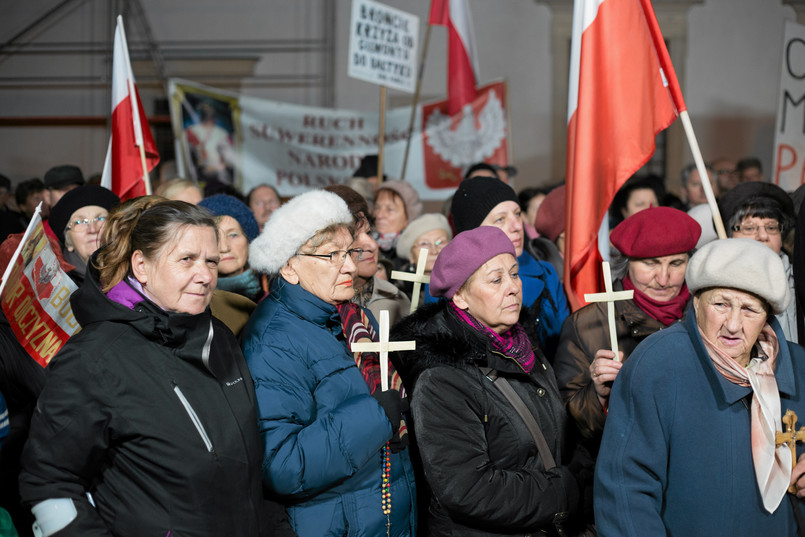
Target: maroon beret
[
  {"x": 656, "y": 232},
  {"x": 550, "y": 220}
]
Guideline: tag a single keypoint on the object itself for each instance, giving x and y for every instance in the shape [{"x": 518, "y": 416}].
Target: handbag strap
[{"x": 517, "y": 402}]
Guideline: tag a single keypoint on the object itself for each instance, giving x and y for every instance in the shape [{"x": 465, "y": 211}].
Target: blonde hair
[{"x": 171, "y": 187}]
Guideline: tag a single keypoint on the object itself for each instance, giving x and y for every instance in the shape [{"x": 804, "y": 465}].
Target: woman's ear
[
  {"x": 289, "y": 274},
  {"x": 138, "y": 263},
  {"x": 460, "y": 301}
]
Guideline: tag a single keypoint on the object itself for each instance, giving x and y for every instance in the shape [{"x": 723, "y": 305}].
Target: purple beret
[
  {"x": 656, "y": 232},
  {"x": 465, "y": 254}
]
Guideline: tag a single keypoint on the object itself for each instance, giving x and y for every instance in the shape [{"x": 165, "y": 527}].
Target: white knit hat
[
  {"x": 292, "y": 225},
  {"x": 420, "y": 226},
  {"x": 743, "y": 264}
]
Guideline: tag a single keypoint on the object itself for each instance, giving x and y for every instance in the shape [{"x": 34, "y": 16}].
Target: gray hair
[{"x": 690, "y": 168}]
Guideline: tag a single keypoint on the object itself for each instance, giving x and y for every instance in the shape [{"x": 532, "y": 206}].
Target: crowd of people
[{"x": 228, "y": 377}]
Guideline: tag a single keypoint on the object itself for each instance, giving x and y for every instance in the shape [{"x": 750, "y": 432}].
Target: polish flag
[
  {"x": 462, "y": 59},
  {"x": 623, "y": 91},
  {"x": 132, "y": 152}
]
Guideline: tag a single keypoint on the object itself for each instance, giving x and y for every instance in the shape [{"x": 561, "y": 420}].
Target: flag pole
[
  {"x": 509, "y": 140},
  {"x": 705, "y": 177},
  {"x": 382, "y": 134},
  {"x": 420, "y": 76},
  {"x": 135, "y": 107},
  {"x": 669, "y": 76}
]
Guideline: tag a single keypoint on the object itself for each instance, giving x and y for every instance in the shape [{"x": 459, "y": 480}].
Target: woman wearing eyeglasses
[
  {"x": 333, "y": 441},
  {"x": 429, "y": 232},
  {"x": 765, "y": 213},
  {"x": 78, "y": 220},
  {"x": 371, "y": 292}
]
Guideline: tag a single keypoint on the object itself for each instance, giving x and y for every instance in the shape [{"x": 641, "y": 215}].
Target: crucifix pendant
[{"x": 790, "y": 437}]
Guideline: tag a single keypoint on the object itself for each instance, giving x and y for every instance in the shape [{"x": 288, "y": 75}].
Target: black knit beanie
[{"x": 475, "y": 198}]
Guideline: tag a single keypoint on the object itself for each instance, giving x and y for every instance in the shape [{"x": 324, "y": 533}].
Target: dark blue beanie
[{"x": 225, "y": 205}]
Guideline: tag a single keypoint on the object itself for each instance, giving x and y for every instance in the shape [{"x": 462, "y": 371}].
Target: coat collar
[
  {"x": 306, "y": 305},
  {"x": 725, "y": 390}
]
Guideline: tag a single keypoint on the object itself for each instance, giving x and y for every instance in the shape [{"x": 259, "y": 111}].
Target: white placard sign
[
  {"x": 382, "y": 45},
  {"x": 789, "y": 138}
]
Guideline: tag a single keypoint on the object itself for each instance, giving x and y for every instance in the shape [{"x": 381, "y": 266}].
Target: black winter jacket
[
  {"x": 480, "y": 461},
  {"x": 152, "y": 413}
]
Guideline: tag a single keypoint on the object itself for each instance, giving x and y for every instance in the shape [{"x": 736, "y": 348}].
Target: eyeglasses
[
  {"x": 338, "y": 257},
  {"x": 83, "y": 224},
  {"x": 430, "y": 245},
  {"x": 752, "y": 229}
]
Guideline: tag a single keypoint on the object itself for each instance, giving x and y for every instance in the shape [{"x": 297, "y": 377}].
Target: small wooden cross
[
  {"x": 791, "y": 436},
  {"x": 417, "y": 277},
  {"x": 384, "y": 347},
  {"x": 610, "y": 298}
]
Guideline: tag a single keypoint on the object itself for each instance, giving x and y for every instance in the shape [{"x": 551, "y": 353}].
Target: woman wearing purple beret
[{"x": 488, "y": 419}]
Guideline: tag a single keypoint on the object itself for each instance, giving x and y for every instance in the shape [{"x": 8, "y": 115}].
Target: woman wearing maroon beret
[{"x": 652, "y": 252}]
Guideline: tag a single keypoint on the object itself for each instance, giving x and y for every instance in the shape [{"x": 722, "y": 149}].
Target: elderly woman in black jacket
[{"x": 487, "y": 474}]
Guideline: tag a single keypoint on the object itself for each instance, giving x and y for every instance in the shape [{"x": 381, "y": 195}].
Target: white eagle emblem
[{"x": 465, "y": 144}]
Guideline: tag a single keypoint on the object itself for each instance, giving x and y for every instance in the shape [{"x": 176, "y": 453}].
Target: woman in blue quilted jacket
[{"x": 334, "y": 442}]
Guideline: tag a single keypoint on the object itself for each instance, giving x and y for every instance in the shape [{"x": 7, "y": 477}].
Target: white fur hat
[
  {"x": 292, "y": 225},
  {"x": 743, "y": 264}
]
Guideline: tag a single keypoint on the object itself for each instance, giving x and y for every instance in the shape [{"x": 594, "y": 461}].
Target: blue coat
[
  {"x": 322, "y": 430},
  {"x": 676, "y": 457},
  {"x": 544, "y": 303}
]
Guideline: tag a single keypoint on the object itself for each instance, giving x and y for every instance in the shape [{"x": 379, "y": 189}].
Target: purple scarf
[{"x": 513, "y": 344}]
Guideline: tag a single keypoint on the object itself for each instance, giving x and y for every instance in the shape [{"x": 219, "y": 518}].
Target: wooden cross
[
  {"x": 610, "y": 298},
  {"x": 383, "y": 348},
  {"x": 417, "y": 277},
  {"x": 791, "y": 436}
]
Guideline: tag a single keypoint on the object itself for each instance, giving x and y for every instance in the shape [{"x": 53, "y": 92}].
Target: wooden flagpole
[
  {"x": 705, "y": 177},
  {"x": 381, "y": 134}
]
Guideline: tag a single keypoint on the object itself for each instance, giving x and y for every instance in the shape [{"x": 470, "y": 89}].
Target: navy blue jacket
[{"x": 676, "y": 454}]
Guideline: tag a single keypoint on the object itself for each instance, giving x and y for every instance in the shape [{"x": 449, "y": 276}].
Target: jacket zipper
[{"x": 194, "y": 418}]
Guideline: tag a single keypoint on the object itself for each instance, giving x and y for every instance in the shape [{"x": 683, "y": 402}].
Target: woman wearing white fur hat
[
  {"x": 689, "y": 446},
  {"x": 334, "y": 442}
]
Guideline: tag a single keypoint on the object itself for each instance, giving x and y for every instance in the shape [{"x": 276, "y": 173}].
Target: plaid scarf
[
  {"x": 358, "y": 328},
  {"x": 513, "y": 344}
]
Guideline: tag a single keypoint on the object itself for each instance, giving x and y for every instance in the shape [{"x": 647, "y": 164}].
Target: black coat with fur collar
[{"x": 478, "y": 457}]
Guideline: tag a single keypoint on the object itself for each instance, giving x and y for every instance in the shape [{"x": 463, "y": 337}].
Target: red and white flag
[
  {"x": 132, "y": 152},
  {"x": 35, "y": 295},
  {"x": 462, "y": 60},
  {"x": 623, "y": 91}
]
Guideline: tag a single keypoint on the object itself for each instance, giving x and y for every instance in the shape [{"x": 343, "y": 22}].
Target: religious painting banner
[
  {"x": 35, "y": 296},
  {"x": 298, "y": 148}
]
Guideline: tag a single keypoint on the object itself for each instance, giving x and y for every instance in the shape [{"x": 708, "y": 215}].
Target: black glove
[{"x": 392, "y": 406}]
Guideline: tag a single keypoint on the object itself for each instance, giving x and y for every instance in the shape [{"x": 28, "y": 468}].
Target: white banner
[
  {"x": 382, "y": 45},
  {"x": 298, "y": 148},
  {"x": 789, "y": 139}
]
